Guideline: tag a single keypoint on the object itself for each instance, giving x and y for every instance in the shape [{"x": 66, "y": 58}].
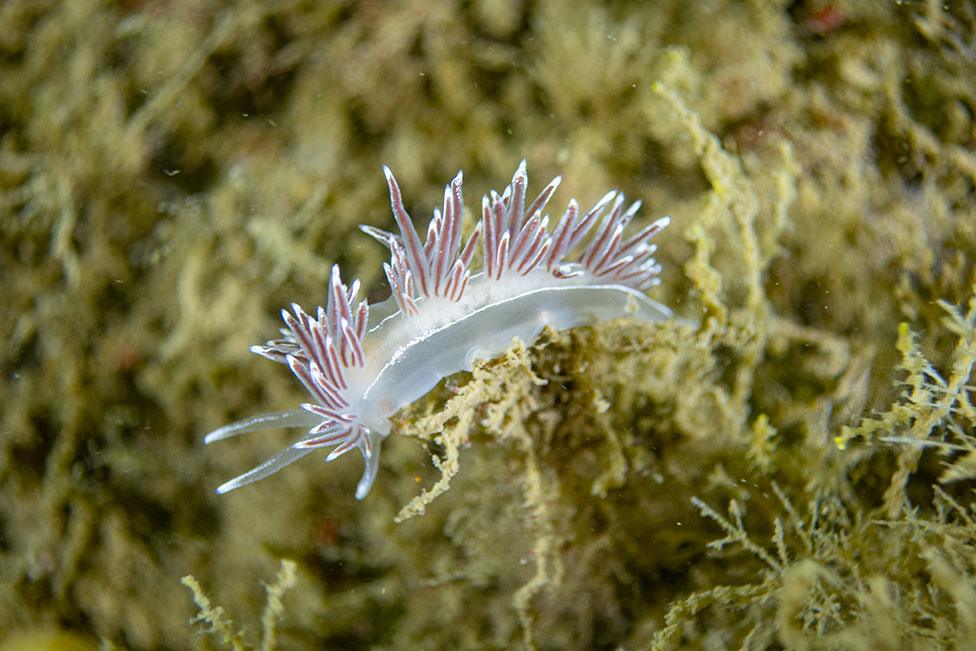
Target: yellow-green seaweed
[{"x": 790, "y": 466}]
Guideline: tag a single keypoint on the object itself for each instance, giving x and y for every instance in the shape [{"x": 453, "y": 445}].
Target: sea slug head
[{"x": 325, "y": 352}]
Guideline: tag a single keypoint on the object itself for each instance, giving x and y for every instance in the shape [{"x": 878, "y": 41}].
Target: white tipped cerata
[{"x": 444, "y": 313}]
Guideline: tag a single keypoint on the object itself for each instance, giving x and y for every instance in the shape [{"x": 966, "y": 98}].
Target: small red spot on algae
[
  {"x": 825, "y": 20},
  {"x": 327, "y": 531}
]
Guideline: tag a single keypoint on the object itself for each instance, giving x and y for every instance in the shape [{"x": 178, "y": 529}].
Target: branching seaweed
[
  {"x": 931, "y": 412},
  {"x": 220, "y": 626}
]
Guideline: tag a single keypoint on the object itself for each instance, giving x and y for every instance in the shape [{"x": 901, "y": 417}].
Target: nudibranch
[{"x": 361, "y": 363}]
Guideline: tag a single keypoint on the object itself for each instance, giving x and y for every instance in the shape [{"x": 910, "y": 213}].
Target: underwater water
[{"x": 789, "y": 464}]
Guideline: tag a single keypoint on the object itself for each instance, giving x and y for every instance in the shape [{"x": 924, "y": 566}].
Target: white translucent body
[{"x": 406, "y": 358}]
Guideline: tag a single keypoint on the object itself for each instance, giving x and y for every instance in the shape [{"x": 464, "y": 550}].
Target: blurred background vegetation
[{"x": 792, "y": 469}]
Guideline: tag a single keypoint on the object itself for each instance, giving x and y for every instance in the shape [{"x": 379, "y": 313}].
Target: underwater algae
[{"x": 791, "y": 467}]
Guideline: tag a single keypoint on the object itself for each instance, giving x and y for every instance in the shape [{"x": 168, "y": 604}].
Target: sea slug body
[{"x": 361, "y": 363}]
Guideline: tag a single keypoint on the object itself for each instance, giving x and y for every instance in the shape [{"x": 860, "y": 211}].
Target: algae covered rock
[{"x": 789, "y": 464}]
